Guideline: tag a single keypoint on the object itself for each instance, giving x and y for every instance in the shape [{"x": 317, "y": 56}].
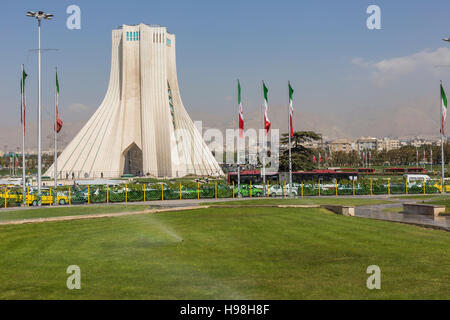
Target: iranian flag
[
  {"x": 443, "y": 109},
  {"x": 291, "y": 109},
  {"x": 59, "y": 122},
  {"x": 23, "y": 104},
  {"x": 241, "y": 114},
  {"x": 266, "y": 117}
]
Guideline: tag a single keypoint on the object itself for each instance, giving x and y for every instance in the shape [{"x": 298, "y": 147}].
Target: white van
[{"x": 412, "y": 179}]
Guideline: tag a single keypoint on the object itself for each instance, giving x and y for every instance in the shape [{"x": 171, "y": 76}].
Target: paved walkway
[
  {"x": 378, "y": 212},
  {"x": 99, "y": 215},
  {"x": 156, "y": 203}
]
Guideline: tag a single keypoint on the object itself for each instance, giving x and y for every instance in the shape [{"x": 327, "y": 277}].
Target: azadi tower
[{"x": 141, "y": 127}]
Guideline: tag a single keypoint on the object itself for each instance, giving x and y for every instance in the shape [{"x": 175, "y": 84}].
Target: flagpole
[
  {"x": 239, "y": 165},
  {"x": 431, "y": 158},
  {"x": 261, "y": 148},
  {"x": 367, "y": 158},
  {"x": 23, "y": 137},
  {"x": 239, "y": 144},
  {"x": 442, "y": 141},
  {"x": 417, "y": 157},
  {"x": 289, "y": 134},
  {"x": 39, "y": 120},
  {"x": 55, "y": 129},
  {"x": 442, "y": 160},
  {"x": 424, "y": 158},
  {"x": 264, "y": 147}
]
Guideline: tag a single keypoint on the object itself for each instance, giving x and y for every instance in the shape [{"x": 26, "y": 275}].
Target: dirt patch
[{"x": 100, "y": 215}]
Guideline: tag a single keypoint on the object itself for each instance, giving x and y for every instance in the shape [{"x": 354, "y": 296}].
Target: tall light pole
[{"x": 39, "y": 16}]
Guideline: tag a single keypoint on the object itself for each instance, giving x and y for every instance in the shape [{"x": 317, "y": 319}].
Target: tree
[{"x": 300, "y": 155}]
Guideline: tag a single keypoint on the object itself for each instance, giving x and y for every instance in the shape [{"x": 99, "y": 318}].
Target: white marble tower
[{"x": 141, "y": 127}]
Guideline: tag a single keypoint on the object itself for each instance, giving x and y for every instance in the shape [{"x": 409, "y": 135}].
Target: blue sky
[{"x": 323, "y": 47}]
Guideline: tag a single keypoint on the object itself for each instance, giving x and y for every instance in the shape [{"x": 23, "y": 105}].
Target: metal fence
[{"x": 10, "y": 196}]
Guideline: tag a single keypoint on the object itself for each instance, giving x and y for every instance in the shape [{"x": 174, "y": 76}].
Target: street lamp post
[{"x": 39, "y": 16}]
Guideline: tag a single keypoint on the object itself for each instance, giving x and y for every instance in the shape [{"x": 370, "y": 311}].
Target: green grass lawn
[
  {"x": 316, "y": 200},
  {"x": 443, "y": 200},
  {"x": 227, "y": 253},
  {"x": 66, "y": 211}
]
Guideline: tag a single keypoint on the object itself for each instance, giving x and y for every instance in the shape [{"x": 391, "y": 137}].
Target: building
[
  {"x": 141, "y": 127},
  {"x": 344, "y": 145},
  {"x": 366, "y": 143},
  {"x": 388, "y": 144},
  {"x": 311, "y": 144}
]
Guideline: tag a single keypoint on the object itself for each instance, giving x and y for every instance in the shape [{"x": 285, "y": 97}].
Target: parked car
[
  {"x": 438, "y": 186},
  {"x": 278, "y": 191},
  {"x": 245, "y": 191},
  {"x": 348, "y": 187},
  {"x": 46, "y": 198},
  {"x": 415, "y": 179}
]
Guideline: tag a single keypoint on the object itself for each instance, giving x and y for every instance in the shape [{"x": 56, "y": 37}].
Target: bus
[
  {"x": 323, "y": 175},
  {"x": 346, "y": 170},
  {"x": 255, "y": 177},
  {"x": 366, "y": 170},
  {"x": 416, "y": 170},
  {"x": 394, "y": 170}
]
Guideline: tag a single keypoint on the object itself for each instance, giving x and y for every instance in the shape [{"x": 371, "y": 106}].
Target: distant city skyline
[{"x": 349, "y": 81}]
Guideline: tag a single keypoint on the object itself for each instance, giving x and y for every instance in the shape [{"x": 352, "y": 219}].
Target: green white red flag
[
  {"x": 443, "y": 109},
  {"x": 23, "y": 102},
  {"x": 241, "y": 113},
  {"x": 291, "y": 110},
  {"x": 266, "y": 116},
  {"x": 59, "y": 122}
]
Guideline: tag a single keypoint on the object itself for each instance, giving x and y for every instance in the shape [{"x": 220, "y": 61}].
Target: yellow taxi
[
  {"x": 9, "y": 194},
  {"x": 32, "y": 198},
  {"x": 439, "y": 187},
  {"x": 46, "y": 198}
]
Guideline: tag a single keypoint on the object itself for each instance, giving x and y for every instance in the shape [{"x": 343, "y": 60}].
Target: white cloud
[
  {"x": 361, "y": 62},
  {"x": 77, "y": 107},
  {"x": 387, "y": 70}
]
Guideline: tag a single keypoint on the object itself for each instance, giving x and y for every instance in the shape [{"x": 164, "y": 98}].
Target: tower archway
[{"x": 133, "y": 163}]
